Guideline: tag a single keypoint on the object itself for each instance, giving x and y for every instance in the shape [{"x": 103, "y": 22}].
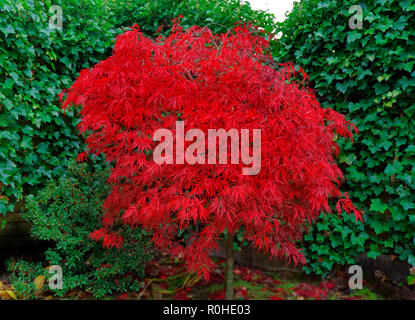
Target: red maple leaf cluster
[{"x": 209, "y": 81}]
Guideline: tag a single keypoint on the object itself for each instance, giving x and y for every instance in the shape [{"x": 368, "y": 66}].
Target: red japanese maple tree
[{"x": 209, "y": 81}]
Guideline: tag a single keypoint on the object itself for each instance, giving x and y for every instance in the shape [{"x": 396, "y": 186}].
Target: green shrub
[
  {"x": 66, "y": 212},
  {"x": 367, "y": 74},
  {"x": 24, "y": 278}
]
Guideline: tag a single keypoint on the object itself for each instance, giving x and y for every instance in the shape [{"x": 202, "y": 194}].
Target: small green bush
[
  {"x": 24, "y": 277},
  {"x": 66, "y": 212}
]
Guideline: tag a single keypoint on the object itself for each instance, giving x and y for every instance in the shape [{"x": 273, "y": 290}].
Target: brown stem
[{"x": 229, "y": 267}]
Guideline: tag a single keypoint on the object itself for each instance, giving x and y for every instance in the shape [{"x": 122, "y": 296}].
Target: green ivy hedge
[
  {"x": 219, "y": 15},
  {"x": 367, "y": 74},
  {"x": 37, "y": 62}
]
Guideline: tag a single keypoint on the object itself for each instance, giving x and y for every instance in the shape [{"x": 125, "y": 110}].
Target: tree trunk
[{"x": 229, "y": 267}]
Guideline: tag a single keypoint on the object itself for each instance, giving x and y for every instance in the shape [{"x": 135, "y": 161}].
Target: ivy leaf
[
  {"x": 381, "y": 88},
  {"x": 407, "y": 204},
  {"x": 9, "y": 29},
  {"x": 8, "y": 84},
  {"x": 353, "y": 36},
  {"x": 394, "y": 168},
  {"x": 405, "y": 4},
  {"x": 342, "y": 87},
  {"x": 374, "y": 251},
  {"x": 378, "y": 205}
]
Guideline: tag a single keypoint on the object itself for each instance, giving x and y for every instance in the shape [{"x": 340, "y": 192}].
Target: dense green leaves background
[
  {"x": 37, "y": 62},
  {"x": 367, "y": 74},
  {"x": 218, "y": 15}
]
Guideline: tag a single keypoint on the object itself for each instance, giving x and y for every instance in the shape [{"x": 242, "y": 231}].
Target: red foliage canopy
[{"x": 209, "y": 81}]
